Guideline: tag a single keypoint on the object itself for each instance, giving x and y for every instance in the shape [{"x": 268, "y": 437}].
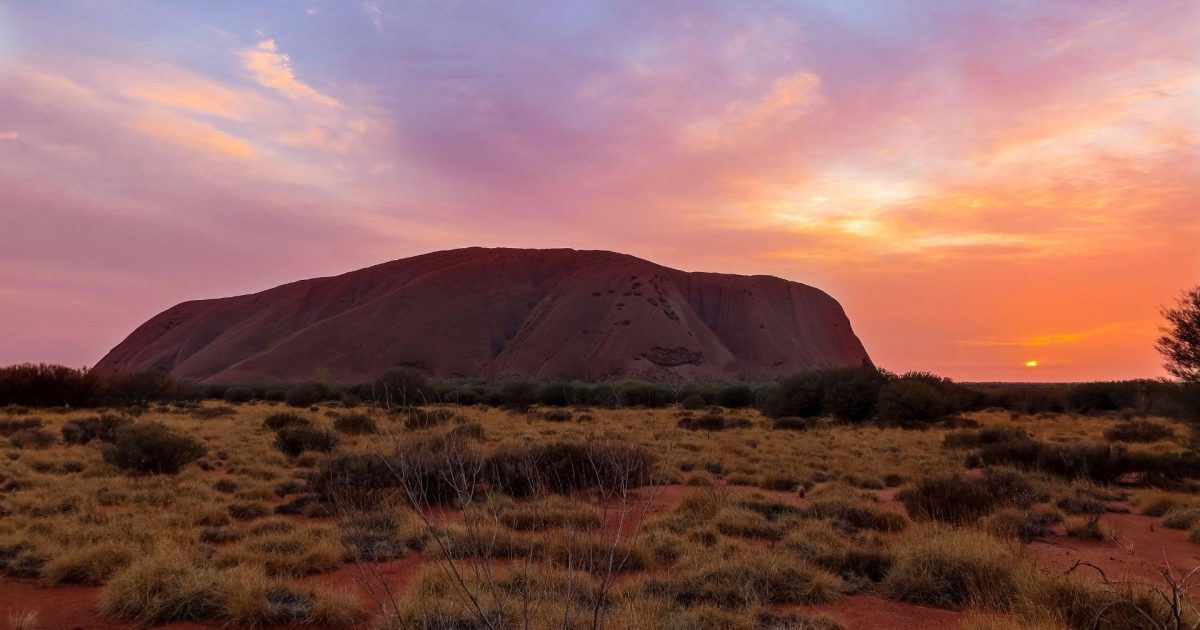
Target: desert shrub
[
  {"x": 1138, "y": 431},
  {"x": 563, "y": 393},
  {"x": 955, "y": 567},
  {"x": 847, "y": 393},
  {"x": 170, "y": 585},
  {"x": 9, "y": 427},
  {"x": 1082, "y": 500},
  {"x": 735, "y": 396},
  {"x": 851, "y": 514},
  {"x": 380, "y": 535},
  {"x": 212, "y": 413},
  {"x": 1103, "y": 463},
  {"x": 306, "y": 394},
  {"x": 739, "y": 579},
  {"x": 93, "y": 564},
  {"x": 950, "y": 498},
  {"x": 1020, "y": 524},
  {"x": 961, "y": 439},
  {"x": 238, "y": 395},
  {"x": 46, "y": 385},
  {"x": 401, "y": 387},
  {"x": 357, "y": 480},
  {"x": 989, "y": 435},
  {"x": 32, "y": 438},
  {"x": 557, "y": 415},
  {"x": 350, "y": 401},
  {"x": 294, "y": 440},
  {"x": 913, "y": 401},
  {"x": 150, "y": 448},
  {"x": 277, "y": 421},
  {"x": 103, "y": 428},
  {"x": 549, "y": 512},
  {"x": 514, "y": 394},
  {"x": 1181, "y": 517},
  {"x": 1086, "y": 529},
  {"x": 1010, "y": 487},
  {"x": 244, "y": 511},
  {"x": 1104, "y": 396},
  {"x": 1082, "y": 603},
  {"x": 354, "y": 424},
  {"x": 693, "y": 402},
  {"x": 162, "y": 588},
  {"x": 713, "y": 422},
  {"x": 780, "y": 481},
  {"x": 1158, "y": 503},
  {"x": 565, "y": 467},
  {"x": 131, "y": 389},
  {"x": 642, "y": 394},
  {"x": 793, "y": 424},
  {"x": 418, "y": 418}
]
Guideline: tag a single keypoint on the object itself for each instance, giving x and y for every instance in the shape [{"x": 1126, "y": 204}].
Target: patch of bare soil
[
  {"x": 871, "y": 612},
  {"x": 1141, "y": 547}
]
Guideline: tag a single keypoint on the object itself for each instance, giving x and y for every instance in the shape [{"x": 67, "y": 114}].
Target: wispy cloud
[
  {"x": 374, "y": 14},
  {"x": 273, "y": 69},
  {"x": 8, "y": 136}
]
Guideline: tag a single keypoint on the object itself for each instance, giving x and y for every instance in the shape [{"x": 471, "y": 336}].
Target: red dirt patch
[
  {"x": 870, "y": 612},
  {"x": 1142, "y": 548}
]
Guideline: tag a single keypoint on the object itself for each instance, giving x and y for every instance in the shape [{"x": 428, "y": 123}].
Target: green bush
[
  {"x": 917, "y": 399},
  {"x": 693, "y": 402},
  {"x": 849, "y": 394},
  {"x": 150, "y": 448}
]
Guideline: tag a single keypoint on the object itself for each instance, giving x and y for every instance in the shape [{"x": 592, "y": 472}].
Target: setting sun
[{"x": 1032, "y": 363}]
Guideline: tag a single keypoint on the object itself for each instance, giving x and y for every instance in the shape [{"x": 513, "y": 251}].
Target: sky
[{"x": 980, "y": 184}]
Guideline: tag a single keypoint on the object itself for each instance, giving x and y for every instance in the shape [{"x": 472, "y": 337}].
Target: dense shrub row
[
  {"x": 1102, "y": 463},
  {"x": 441, "y": 469},
  {"x": 852, "y": 394}
]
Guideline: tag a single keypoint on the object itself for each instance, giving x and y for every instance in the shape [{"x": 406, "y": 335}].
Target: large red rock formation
[{"x": 555, "y": 313}]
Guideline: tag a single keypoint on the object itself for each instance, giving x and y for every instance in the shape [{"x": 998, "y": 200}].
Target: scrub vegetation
[{"x": 573, "y": 505}]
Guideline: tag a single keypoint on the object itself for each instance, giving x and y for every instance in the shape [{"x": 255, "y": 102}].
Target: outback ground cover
[{"x": 260, "y": 514}]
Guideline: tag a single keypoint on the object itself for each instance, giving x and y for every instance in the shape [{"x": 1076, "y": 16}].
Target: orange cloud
[
  {"x": 195, "y": 135},
  {"x": 273, "y": 69}
]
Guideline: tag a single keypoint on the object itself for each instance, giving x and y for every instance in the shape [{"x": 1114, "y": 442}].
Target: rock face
[{"x": 556, "y": 313}]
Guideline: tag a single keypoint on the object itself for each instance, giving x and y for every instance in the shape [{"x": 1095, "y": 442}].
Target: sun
[{"x": 1032, "y": 363}]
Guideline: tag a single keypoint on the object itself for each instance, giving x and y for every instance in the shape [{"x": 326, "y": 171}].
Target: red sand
[
  {"x": 1142, "y": 548},
  {"x": 869, "y": 612}
]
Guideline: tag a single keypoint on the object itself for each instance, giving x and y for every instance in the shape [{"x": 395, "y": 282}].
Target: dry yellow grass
[{"x": 207, "y": 543}]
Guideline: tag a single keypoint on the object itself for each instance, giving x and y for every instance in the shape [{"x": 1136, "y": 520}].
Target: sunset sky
[{"x": 980, "y": 184}]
